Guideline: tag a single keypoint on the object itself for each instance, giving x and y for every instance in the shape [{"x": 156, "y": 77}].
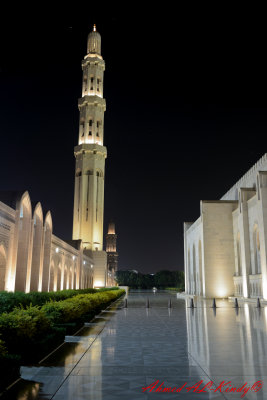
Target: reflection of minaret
[
  {"x": 111, "y": 249},
  {"x": 90, "y": 157}
]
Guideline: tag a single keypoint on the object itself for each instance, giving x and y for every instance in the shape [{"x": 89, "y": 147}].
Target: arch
[
  {"x": 194, "y": 271},
  {"x": 75, "y": 278},
  {"x": 59, "y": 277},
  {"x": 37, "y": 234},
  {"x": 238, "y": 250},
  {"x": 24, "y": 211},
  {"x": 3, "y": 262},
  {"x": 52, "y": 277},
  {"x": 99, "y": 173},
  {"x": 70, "y": 279},
  {"x": 65, "y": 277},
  {"x": 200, "y": 268},
  {"x": 189, "y": 271},
  {"x": 256, "y": 249},
  {"x": 47, "y": 243},
  {"x": 78, "y": 172}
]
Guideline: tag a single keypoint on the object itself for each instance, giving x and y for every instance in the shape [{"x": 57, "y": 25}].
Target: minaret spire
[
  {"x": 90, "y": 157},
  {"x": 111, "y": 249}
]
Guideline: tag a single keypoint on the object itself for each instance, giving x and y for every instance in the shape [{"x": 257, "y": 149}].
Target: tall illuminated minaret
[{"x": 90, "y": 157}]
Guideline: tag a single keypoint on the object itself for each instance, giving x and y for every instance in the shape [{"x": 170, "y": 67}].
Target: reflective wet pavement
[{"x": 125, "y": 350}]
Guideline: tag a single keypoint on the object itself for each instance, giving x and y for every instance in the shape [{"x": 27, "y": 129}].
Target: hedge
[
  {"x": 174, "y": 289},
  {"x": 23, "y": 331},
  {"x": 73, "y": 308},
  {"x": 10, "y": 300}
]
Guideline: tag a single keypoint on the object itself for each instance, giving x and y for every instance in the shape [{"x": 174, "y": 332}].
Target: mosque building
[{"x": 225, "y": 249}]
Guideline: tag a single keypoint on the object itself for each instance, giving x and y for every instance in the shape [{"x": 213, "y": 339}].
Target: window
[
  {"x": 85, "y": 85},
  {"x": 90, "y": 122},
  {"x": 90, "y": 133},
  {"x": 97, "y": 124}
]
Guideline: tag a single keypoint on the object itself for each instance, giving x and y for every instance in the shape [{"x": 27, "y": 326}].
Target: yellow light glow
[
  {"x": 221, "y": 292},
  {"x": 94, "y": 28},
  {"x": 98, "y": 284}
]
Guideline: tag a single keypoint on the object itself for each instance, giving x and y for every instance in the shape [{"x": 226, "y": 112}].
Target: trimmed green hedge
[
  {"x": 74, "y": 308},
  {"x": 10, "y": 300},
  {"x": 178, "y": 289},
  {"x": 28, "y": 334},
  {"x": 22, "y": 330}
]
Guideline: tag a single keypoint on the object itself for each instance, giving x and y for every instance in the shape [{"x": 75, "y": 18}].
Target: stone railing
[
  {"x": 238, "y": 284},
  {"x": 255, "y": 285}
]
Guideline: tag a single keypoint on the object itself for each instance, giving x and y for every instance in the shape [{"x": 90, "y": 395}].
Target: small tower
[
  {"x": 112, "y": 255},
  {"x": 90, "y": 154}
]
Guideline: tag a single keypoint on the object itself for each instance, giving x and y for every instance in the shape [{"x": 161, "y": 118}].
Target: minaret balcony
[
  {"x": 93, "y": 148},
  {"x": 92, "y": 100}
]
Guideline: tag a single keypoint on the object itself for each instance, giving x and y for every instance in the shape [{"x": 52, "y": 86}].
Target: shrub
[
  {"x": 31, "y": 332},
  {"x": 10, "y": 300},
  {"x": 3, "y": 350},
  {"x": 22, "y": 325},
  {"x": 71, "y": 309}
]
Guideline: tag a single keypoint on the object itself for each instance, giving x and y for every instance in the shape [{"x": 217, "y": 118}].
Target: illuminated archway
[
  {"x": 24, "y": 209},
  {"x": 70, "y": 279},
  {"x": 256, "y": 249},
  {"x": 65, "y": 277},
  {"x": 194, "y": 271},
  {"x": 52, "y": 278},
  {"x": 189, "y": 272},
  {"x": 238, "y": 250},
  {"x": 3, "y": 262},
  {"x": 75, "y": 278},
  {"x": 59, "y": 277},
  {"x": 36, "y": 248},
  {"x": 48, "y": 228},
  {"x": 200, "y": 268}
]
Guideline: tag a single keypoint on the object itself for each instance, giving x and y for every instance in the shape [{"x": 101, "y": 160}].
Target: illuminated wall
[
  {"x": 31, "y": 257},
  {"x": 228, "y": 243}
]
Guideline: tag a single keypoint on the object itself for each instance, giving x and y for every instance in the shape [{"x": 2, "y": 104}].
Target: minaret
[
  {"x": 90, "y": 157},
  {"x": 112, "y": 255}
]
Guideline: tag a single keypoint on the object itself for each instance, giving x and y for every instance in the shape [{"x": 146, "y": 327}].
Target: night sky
[{"x": 186, "y": 115}]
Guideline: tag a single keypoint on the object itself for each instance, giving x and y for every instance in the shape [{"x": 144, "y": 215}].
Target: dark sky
[{"x": 186, "y": 115}]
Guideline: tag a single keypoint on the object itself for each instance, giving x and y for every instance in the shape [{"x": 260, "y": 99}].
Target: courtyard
[{"x": 137, "y": 352}]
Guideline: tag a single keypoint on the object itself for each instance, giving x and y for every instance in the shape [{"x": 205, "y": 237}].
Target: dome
[{"x": 94, "y": 42}]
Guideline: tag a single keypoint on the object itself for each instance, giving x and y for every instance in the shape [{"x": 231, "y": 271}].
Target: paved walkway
[{"x": 126, "y": 350}]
